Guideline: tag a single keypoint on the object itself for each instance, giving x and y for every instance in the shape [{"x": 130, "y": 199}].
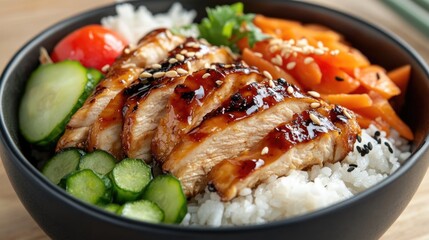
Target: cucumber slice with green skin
[
  {"x": 53, "y": 94},
  {"x": 111, "y": 207},
  {"x": 94, "y": 77},
  {"x": 86, "y": 186},
  {"x": 129, "y": 178},
  {"x": 99, "y": 161},
  {"x": 61, "y": 165},
  {"x": 142, "y": 210},
  {"x": 166, "y": 191}
]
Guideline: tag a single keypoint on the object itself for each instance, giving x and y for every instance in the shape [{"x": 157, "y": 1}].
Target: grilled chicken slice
[
  {"x": 241, "y": 122},
  {"x": 105, "y": 133},
  {"x": 198, "y": 95},
  {"x": 313, "y": 137},
  {"x": 151, "y": 49},
  {"x": 148, "y": 99}
]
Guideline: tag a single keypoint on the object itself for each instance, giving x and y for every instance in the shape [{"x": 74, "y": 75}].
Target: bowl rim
[{"x": 96, "y": 212}]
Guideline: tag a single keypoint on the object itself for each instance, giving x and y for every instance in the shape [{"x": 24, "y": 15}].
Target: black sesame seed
[
  {"x": 339, "y": 79},
  {"x": 281, "y": 81},
  {"x": 388, "y": 147},
  {"x": 377, "y": 134},
  {"x": 350, "y": 169},
  {"x": 358, "y": 137},
  {"x": 378, "y": 141},
  {"x": 370, "y": 146},
  {"x": 359, "y": 149},
  {"x": 353, "y": 165},
  {"x": 211, "y": 187},
  {"x": 377, "y": 75}
]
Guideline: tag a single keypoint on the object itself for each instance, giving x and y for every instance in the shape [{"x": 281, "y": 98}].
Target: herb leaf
[{"x": 226, "y": 25}]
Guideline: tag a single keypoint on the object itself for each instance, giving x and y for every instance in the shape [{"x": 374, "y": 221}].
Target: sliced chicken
[
  {"x": 153, "y": 48},
  {"x": 313, "y": 137},
  {"x": 148, "y": 99},
  {"x": 105, "y": 133},
  {"x": 198, "y": 95},
  {"x": 241, "y": 122}
]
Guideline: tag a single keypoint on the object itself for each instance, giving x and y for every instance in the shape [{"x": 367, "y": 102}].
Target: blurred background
[{"x": 21, "y": 20}]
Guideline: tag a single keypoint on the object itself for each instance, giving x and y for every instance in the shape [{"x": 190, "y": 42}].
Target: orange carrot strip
[
  {"x": 382, "y": 108},
  {"x": 351, "y": 101},
  {"x": 335, "y": 81},
  {"x": 374, "y": 78},
  {"x": 253, "y": 60},
  {"x": 400, "y": 76}
]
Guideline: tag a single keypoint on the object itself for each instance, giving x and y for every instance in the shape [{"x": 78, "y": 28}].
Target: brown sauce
[{"x": 300, "y": 130}]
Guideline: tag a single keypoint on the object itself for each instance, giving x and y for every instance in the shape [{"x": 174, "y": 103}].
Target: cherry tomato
[{"x": 93, "y": 45}]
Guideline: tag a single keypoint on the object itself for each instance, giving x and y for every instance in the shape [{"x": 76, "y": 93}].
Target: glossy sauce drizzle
[
  {"x": 249, "y": 100},
  {"x": 199, "y": 86},
  {"x": 300, "y": 130}
]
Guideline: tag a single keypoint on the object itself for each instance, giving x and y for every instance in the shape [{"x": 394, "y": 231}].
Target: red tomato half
[{"x": 93, "y": 45}]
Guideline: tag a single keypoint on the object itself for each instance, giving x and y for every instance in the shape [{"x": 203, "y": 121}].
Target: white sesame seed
[
  {"x": 199, "y": 55},
  {"x": 158, "y": 74},
  {"x": 128, "y": 65},
  {"x": 213, "y": 66},
  {"x": 314, "y": 94},
  {"x": 105, "y": 68},
  {"x": 290, "y": 65},
  {"x": 334, "y": 52},
  {"x": 258, "y": 54},
  {"x": 156, "y": 66},
  {"x": 277, "y": 60},
  {"x": 184, "y": 51},
  {"x": 190, "y": 44},
  {"x": 347, "y": 114},
  {"x": 219, "y": 82},
  {"x": 277, "y": 68},
  {"x": 190, "y": 54},
  {"x": 267, "y": 75},
  {"x": 188, "y": 64},
  {"x": 127, "y": 50},
  {"x": 320, "y": 44},
  {"x": 264, "y": 151},
  {"x": 308, "y": 60},
  {"x": 315, "y": 119},
  {"x": 145, "y": 75},
  {"x": 294, "y": 54},
  {"x": 171, "y": 74},
  {"x": 272, "y": 84},
  {"x": 319, "y": 51},
  {"x": 172, "y": 60},
  {"x": 274, "y": 48},
  {"x": 206, "y": 75},
  {"x": 274, "y": 41},
  {"x": 315, "y": 105},
  {"x": 207, "y": 65},
  {"x": 290, "y": 90},
  {"x": 182, "y": 71},
  {"x": 180, "y": 57}
]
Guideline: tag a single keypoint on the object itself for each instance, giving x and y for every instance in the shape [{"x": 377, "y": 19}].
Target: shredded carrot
[
  {"x": 400, "y": 76},
  {"x": 374, "y": 78},
  {"x": 382, "y": 108},
  {"x": 350, "y": 101},
  {"x": 335, "y": 81}
]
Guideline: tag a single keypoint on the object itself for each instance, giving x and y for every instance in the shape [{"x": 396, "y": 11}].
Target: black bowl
[{"x": 365, "y": 216}]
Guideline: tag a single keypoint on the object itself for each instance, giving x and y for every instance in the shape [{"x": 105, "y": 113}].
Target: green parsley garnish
[{"x": 226, "y": 25}]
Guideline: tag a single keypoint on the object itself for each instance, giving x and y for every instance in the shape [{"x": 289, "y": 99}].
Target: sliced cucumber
[
  {"x": 142, "y": 210},
  {"x": 99, "y": 161},
  {"x": 86, "y": 186},
  {"x": 111, "y": 207},
  {"x": 130, "y": 178},
  {"x": 52, "y": 95},
  {"x": 61, "y": 165},
  {"x": 166, "y": 191},
  {"x": 94, "y": 77}
]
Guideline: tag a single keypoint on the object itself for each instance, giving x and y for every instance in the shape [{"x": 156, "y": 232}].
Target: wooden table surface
[{"x": 20, "y": 20}]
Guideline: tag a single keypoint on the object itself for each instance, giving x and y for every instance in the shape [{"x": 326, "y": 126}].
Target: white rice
[
  {"x": 133, "y": 24},
  {"x": 298, "y": 193},
  {"x": 303, "y": 191}
]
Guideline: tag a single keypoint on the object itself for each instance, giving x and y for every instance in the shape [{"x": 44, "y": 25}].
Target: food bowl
[{"x": 364, "y": 216}]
